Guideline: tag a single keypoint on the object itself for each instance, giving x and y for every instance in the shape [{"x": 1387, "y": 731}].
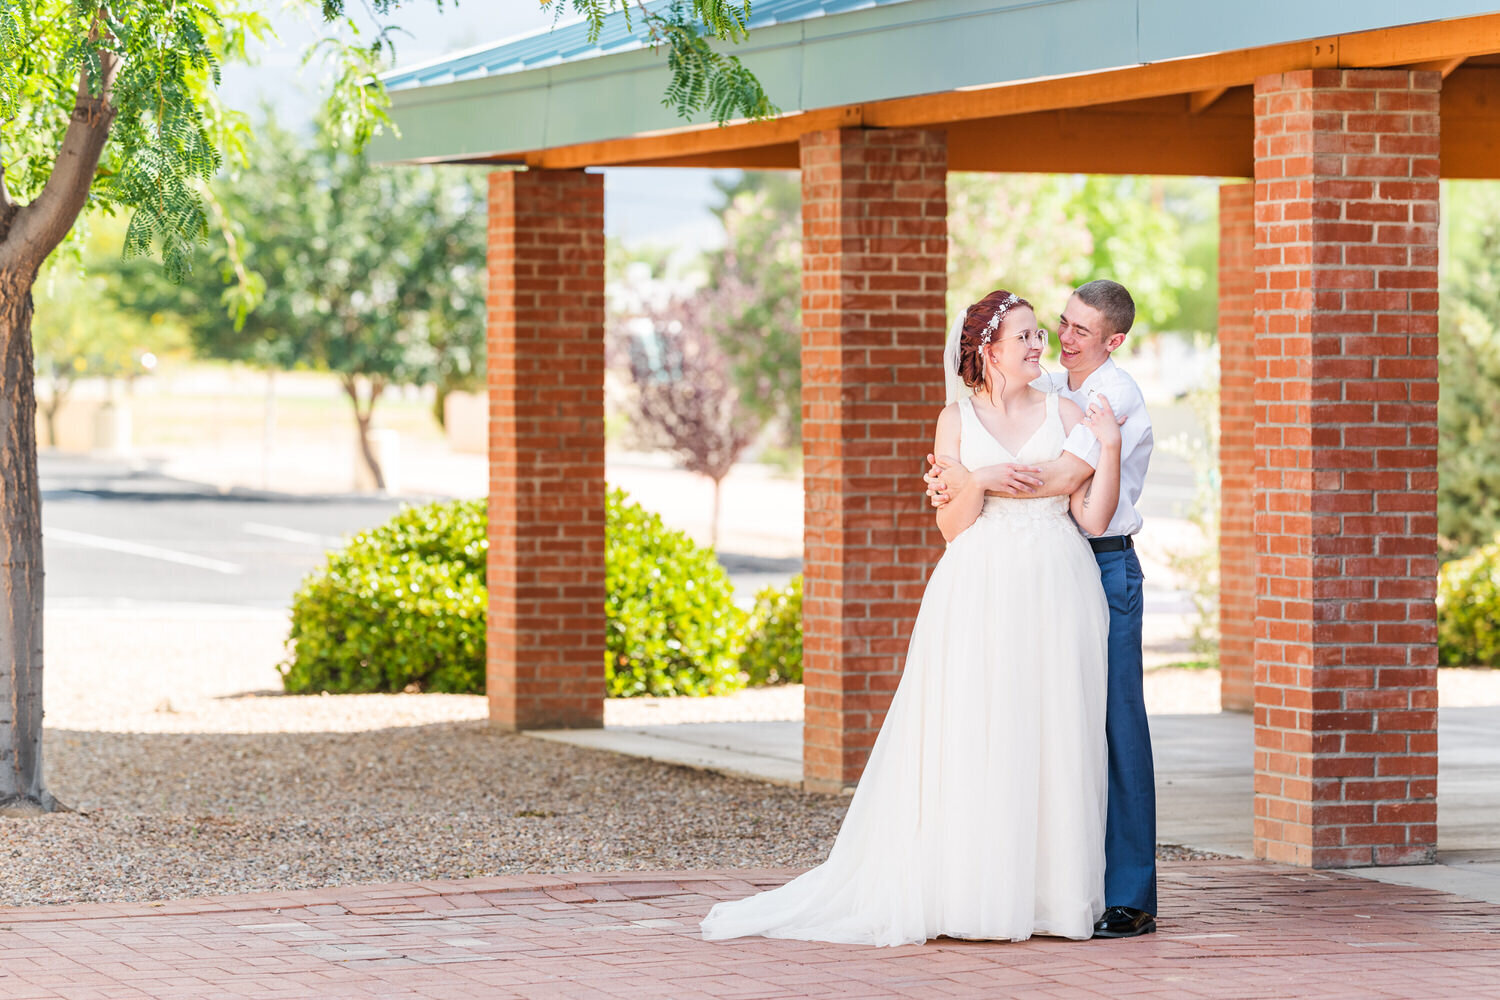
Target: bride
[{"x": 980, "y": 813}]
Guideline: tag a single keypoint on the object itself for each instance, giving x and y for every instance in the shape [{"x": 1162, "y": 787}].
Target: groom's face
[{"x": 1085, "y": 336}]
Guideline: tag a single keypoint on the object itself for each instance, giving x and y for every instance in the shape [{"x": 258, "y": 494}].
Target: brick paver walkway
[{"x": 1234, "y": 930}]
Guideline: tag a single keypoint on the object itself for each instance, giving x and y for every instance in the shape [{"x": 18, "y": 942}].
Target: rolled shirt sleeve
[
  {"x": 1136, "y": 443},
  {"x": 1127, "y": 402},
  {"x": 1081, "y": 442}
]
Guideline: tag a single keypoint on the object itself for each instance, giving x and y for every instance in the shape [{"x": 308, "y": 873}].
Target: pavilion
[{"x": 1343, "y": 113}]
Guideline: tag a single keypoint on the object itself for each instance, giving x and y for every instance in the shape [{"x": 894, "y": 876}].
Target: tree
[
  {"x": 759, "y": 275},
  {"x": 82, "y": 331},
  {"x": 113, "y": 107},
  {"x": 1468, "y": 440},
  {"x": 684, "y": 385},
  {"x": 376, "y": 275},
  {"x": 1013, "y": 231},
  {"x": 1043, "y": 235}
]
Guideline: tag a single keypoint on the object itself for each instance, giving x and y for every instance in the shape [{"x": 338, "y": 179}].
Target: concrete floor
[{"x": 1203, "y": 779}]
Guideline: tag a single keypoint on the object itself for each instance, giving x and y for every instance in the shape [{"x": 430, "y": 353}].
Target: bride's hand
[
  {"x": 945, "y": 477},
  {"x": 1100, "y": 418}
]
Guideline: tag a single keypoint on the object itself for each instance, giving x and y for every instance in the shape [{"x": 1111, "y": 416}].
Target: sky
[{"x": 641, "y": 205}]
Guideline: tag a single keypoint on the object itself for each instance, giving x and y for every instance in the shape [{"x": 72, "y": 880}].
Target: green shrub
[
  {"x": 672, "y": 626},
  {"x": 402, "y": 605},
  {"x": 1468, "y": 602},
  {"x": 773, "y": 648}
]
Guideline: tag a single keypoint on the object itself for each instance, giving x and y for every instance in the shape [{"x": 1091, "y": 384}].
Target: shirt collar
[{"x": 1098, "y": 375}]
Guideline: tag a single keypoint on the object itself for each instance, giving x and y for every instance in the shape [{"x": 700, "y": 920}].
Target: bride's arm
[
  {"x": 1057, "y": 478},
  {"x": 1093, "y": 503},
  {"x": 966, "y": 499}
]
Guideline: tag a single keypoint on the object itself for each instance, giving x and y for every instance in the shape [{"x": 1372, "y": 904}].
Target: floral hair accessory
[{"x": 995, "y": 320}]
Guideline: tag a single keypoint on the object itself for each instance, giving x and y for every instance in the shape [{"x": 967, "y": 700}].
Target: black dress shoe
[{"x": 1124, "y": 922}]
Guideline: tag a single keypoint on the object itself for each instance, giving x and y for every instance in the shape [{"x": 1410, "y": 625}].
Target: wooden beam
[
  {"x": 1439, "y": 41},
  {"x": 1157, "y": 137},
  {"x": 1199, "y": 100},
  {"x": 781, "y": 157},
  {"x": 1428, "y": 42},
  {"x": 1443, "y": 66},
  {"x": 1170, "y": 140},
  {"x": 696, "y": 141},
  {"x": 1470, "y": 133}
]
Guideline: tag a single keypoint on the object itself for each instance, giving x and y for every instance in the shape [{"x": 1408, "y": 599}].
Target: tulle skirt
[{"x": 981, "y": 811}]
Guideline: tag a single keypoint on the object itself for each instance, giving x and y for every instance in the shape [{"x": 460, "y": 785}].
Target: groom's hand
[
  {"x": 1013, "y": 480},
  {"x": 945, "y": 476}
]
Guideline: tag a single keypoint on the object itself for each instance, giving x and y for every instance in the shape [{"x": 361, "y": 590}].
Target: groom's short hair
[{"x": 1112, "y": 300}]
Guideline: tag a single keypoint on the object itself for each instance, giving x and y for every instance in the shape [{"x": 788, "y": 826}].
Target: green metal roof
[
  {"x": 552, "y": 88},
  {"x": 569, "y": 41}
]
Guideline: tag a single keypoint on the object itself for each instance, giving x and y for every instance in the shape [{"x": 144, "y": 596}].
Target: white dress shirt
[{"x": 1135, "y": 434}]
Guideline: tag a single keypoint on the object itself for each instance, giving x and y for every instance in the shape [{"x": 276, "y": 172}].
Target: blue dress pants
[{"x": 1130, "y": 831}]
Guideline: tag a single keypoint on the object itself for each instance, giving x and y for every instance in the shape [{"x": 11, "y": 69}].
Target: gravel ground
[{"x": 194, "y": 780}]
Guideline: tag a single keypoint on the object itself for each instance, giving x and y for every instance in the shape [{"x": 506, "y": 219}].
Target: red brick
[
  {"x": 546, "y": 560},
  {"x": 870, "y": 355},
  {"x": 1342, "y": 329}
]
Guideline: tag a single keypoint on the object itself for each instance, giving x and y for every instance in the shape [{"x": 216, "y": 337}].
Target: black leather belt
[{"x": 1114, "y": 543}]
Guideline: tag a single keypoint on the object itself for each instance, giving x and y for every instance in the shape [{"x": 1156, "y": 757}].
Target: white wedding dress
[{"x": 980, "y": 813}]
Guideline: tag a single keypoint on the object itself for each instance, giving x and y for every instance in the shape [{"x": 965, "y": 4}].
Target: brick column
[
  {"x": 874, "y": 276},
  {"x": 1237, "y": 447},
  {"x": 1346, "y": 227},
  {"x": 545, "y": 370}
]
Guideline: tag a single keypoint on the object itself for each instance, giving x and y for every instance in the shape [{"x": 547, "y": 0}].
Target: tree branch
[
  {"x": 39, "y": 227},
  {"x": 8, "y": 208},
  {"x": 7, "y": 204}
]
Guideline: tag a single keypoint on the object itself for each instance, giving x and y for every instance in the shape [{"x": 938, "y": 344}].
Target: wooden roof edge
[{"x": 1438, "y": 44}]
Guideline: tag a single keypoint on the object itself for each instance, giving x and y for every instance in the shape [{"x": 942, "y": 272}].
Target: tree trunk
[
  {"x": 21, "y": 788},
  {"x": 54, "y": 406},
  {"x": 368, "y": 453},
  {"x": 713, "y": 529},
  {"x": 362, "y": 417},
  {"x": 28, "y": 234},
  {"x": 268, "y": 430}
]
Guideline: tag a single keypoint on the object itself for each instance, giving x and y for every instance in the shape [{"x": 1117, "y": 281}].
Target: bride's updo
[{"x": 976, "y": 322}]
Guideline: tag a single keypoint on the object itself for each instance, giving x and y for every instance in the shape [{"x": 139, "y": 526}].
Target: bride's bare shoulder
[{"x": 1069, "y": 411}]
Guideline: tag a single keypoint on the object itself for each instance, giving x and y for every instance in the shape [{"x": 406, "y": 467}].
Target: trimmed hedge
[
  {"x": 773, "y": 647},
  {"x": 1468, "y": 604},
  {"x": 400, "y": 607},
  {"x": 671, "y": 623}
]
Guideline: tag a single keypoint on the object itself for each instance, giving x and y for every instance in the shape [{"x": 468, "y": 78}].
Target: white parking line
[
  {"x": 291, "y": 535},
  {"x": 147, "y": 551}
]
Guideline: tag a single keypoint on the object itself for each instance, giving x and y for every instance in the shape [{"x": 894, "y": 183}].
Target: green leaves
[
  {"x": 156, "y": 65},
  {"x": 773, "y": 646},
  {"x": 13, "y": 31},
  {"x": 1044, "y": 235},
  {"x": 1468, "y": 440},
  {"x": 402, "y": 607},
  {"x": 1468, "y": 609},
  {"x": 366, "y": 271},
  {"x": 702, "y": 77},
  {"x": 671, "y": 624}
]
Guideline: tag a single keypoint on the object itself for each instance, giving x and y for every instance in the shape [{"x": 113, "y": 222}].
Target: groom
[{"x": 1091, "y": 328}]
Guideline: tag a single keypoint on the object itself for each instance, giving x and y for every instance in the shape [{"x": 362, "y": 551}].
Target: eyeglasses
[{"x": 1037, "y": 337}]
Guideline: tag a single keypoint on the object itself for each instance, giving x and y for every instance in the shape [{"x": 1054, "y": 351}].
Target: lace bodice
[{"x": 977, "y": 447}]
